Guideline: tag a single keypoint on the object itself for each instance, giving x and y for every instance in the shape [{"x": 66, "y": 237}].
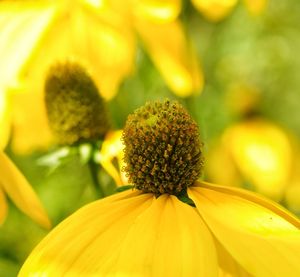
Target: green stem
[{"x": 93, "y": 167}]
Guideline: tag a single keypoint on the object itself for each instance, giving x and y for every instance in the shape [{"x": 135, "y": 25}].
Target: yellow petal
[
  {"x": 175, "y": 59},
  {"x": 215, "y": 170},
  {"x": 88, "y": 239},
  {"x": 3, "y": 207},
  {"x": 136, "y": 235},
  {"x": 259, "y": 235},
  {"x": 97, "y": 39},
  {"x": 256, "y": 6},
  {"x": 169, "y": 239},
  {"x": 18, "y": 189},
  {"x": 5, "y": 118},
  {"x": 21, "y": 27},
  {"x": 112, "y": 148},
  {"x": 30, "y": 123},
  {"x": 263, "y": 154},
  {"x": 215, "y": 9},
  {"x": 228, "y": 265},
  {"x": 157, "y": 10}
]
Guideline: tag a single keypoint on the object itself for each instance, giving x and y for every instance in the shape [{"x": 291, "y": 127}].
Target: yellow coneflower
[
  {"x": 14, "y": 184},
  {"x": 215, "y": 10},
  {"x": 77, "y": 114},
  {"x": 170, "y": 224},
  {"x": 37, "y": 34}
]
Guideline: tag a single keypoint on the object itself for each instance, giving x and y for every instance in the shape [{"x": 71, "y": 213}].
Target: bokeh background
[{"x": 248, "y": 111}]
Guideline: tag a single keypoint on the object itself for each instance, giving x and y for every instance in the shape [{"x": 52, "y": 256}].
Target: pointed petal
[
  {"x": 19, "y": 190},
  {"x": 173, "y": 56},
  {"x": 136, "y": 235},
  {"x": 214, "y": 10},
  {"x": 256, "y": 232},
  {"x": 3, "y": 207},
  {"x": 112, "y": 148}
]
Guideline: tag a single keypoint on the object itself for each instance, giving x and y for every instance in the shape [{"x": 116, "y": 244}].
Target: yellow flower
[
  {"x": 18, "y": 189},
  {"x": 136, "y": 234},
  {"x": 36, "y": 35},
  {"x": 170, "y": 224},
  {"x": 99, "y": 35},
  {"x": 43, "y": 33},
  {"x": 256, "y": 151},
  {"x": 215, "y": 10}
]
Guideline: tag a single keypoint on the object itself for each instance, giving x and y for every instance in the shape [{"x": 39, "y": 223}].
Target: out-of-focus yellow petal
[
  {"x": 3, "y": 206},
  {"x": 215, "y": 170},
  {"x": 99, "y": 40},
  {"x": 257, "y": 233},
  {"x": 19, "y": 190},
  {"x": 173, "y": 56},
  {"x": 215, "y": 9},
  {"x": 228, "y": 265},
  {"x": 21, "y": 26},
  {"x": 157, "y": 11},
  {"x": 30, "y": 123},
  {"x": 136, "y": 235},
  {"x": 262, "y": 153},
  {"x": 5, "y": 118},
  {"x": 111, "y": 149},
  {"x": 256, "y": 6}
]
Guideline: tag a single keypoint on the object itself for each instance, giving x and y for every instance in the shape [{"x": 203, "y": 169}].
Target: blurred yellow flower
[
  {"x": 36, "y": 35},
  {"x": 99, "y": 35},
  {"x": 255, "y": 151},
  {"x": 230, "y": 230},
  {"x": 19, "y": 190},
  {"x": 163, "y": 36},
  {"x": 216, "y": 10},
  {"x": 170, "y": 224},
  {"x": 43, "y": 33}
]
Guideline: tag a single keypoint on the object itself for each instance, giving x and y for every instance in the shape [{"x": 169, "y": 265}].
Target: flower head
[
  {"x": 140, "y": 233},
  {"x": 36, "y": 35},
  {"x": 162, "y": 148},
  {"x": 75, "y": 109}
]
